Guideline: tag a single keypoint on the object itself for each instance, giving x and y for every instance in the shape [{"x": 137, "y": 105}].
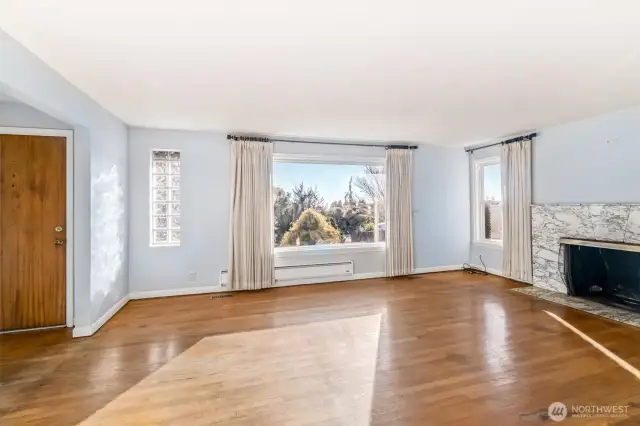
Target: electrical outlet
[{"x": 192, "y": 276}]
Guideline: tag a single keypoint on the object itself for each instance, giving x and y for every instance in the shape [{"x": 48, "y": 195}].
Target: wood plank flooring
[
  {"x": 452, "y": 349},
  {"x": 316, "y": 373}
]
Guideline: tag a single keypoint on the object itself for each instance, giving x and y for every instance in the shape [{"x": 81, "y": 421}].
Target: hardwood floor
[{"x": 452, "y": 349}]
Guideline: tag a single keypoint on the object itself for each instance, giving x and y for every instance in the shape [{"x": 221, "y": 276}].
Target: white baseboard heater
[{"x": 303, "y": 274}]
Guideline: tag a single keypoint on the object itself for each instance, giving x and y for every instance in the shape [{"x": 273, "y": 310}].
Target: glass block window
[{"x": 165, "y": 198}]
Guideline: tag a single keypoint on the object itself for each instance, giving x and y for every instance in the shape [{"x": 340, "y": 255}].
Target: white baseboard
[
  {"x": 82, "y": 331},
  {"x": 432, "y": 269},
  {"x": 91, "y": 329},
  {"x": 491, "y": 271},
  {"x": 499, "y": 273},
  {"x": 177, "y": 292},
  {"x": 368, "y": 276}
]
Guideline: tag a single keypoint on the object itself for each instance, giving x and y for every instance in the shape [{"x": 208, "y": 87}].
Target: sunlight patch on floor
[
  {"x": 320, "y": 372},
  {"x": 615, "y": 358}
]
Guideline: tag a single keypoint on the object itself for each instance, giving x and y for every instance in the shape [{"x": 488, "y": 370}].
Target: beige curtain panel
[
  {"x": 399, "y": 227},
  {"x": 516, "y": 198},
  {"x": 251, "y": 238}
]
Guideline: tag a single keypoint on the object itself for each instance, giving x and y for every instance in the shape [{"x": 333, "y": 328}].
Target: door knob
[
  {"x": 58, "y": 228},
  {"x": 58, "y": 242}
]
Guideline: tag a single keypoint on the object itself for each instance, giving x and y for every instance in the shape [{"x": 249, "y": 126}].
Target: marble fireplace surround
[{"x": 550, "y": 222}]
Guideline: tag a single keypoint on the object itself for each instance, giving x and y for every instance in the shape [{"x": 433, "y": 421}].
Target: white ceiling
[{"x": 446, "y": 72}]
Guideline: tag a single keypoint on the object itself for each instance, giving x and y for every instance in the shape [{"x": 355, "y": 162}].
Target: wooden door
[{"x": 32, "y": 231}]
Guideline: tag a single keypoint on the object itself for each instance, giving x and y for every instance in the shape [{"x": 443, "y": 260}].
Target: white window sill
[
  {"x": 495, "y": 244},
  {"x": 328, "y": 249},
  {"x": 163, "y": 245}
]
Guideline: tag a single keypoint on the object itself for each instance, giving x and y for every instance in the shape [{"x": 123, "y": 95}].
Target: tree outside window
[{"x": 316, "y": 204}]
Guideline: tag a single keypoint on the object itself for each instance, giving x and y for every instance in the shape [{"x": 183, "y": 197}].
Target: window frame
[
  {"x": 151, "y": 216},
  {"x": 286, "y": 252},
  {"x": 478, "y": 200}
]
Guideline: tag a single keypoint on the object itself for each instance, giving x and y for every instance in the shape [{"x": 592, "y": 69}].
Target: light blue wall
[
  {"x": 595, "y": 160},
  {"x": 440, "y": 202},
  {"x": 441, "y": 206},
  {"x": 15, "y": 114},
  {"x": 100, "y": 177},
  {"x": 204, "y": 183}
]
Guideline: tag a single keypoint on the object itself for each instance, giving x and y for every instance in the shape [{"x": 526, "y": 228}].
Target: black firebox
[{"x": 606, "y": 275}]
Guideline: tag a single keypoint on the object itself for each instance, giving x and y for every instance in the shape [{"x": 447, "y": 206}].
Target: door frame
[{"x": 68, "y": 134}]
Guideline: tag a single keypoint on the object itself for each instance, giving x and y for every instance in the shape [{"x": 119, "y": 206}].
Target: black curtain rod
[
  {"x": 512, "y": 140},
  {"x": 248, "y": 138},
  {"x": 258, "y": 139}
]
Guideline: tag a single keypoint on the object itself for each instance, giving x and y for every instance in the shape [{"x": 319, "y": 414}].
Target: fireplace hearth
[{"x": 603, "y": 271}]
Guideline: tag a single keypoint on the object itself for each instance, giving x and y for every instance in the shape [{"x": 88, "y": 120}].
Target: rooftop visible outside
[{"x": 492, "y": 202}]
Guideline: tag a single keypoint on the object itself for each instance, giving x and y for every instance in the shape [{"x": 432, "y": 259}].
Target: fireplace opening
[{"x": 605, "y": 272}]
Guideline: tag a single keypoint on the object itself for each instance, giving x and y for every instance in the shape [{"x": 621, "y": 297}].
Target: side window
[{"x": 488, "y": 200}]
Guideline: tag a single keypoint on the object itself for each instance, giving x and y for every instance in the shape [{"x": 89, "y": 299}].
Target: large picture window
[
  {"x": 488, "y": 201},
  {"x": 165, "y": 198},
  {"x": 326, "y": 203}
]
